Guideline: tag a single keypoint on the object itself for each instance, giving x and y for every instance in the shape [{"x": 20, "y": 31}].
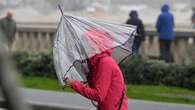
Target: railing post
[
  {"x": 15, "y": 43},
  {"x": 39, "y": 46}
]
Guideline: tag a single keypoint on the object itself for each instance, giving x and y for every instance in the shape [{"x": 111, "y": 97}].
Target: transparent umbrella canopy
[{"x": 78, "y": 39}]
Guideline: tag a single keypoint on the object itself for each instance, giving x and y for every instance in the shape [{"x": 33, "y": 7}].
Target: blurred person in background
[
  {"x": 165, "y": 29},
  {"x": 9, "y": 88},
  {"x": 134, "y": 20},
  {"x": 8, "y": 29},
  {"x": 193, "y": 18}
]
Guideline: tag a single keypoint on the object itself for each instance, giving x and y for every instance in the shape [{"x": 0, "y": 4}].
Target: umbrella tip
[{"x": 60, "y": 9}]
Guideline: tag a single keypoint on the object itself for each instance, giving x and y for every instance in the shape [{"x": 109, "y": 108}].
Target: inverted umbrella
[{"x": 78, "y": 39}]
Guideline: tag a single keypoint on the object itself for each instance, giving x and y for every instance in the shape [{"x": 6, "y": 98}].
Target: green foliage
[
  {"x": 139, "y": 70},
  {"x": 38, "y": 64}
]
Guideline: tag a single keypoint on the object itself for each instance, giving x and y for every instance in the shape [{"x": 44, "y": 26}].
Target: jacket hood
[
  {"x": 133, "y": 14},
  {"x": 95, "y": 59},
  {"x": 165, "y": 8}
]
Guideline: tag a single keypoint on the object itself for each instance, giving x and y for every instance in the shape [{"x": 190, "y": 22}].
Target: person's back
[
  {"x": 193, "y": 18},
  {"x": 107, "y": 85},
  {"x": 111, "y": 80},
  {"x": 165, "y": 24},
  {"x": 105, "y": 79},
  {"x": 134, "y": 20},
  {"x": 8, "y": 29}
]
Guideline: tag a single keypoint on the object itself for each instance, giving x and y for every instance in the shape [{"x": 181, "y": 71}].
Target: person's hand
[
  {"x": 68, "y": 82},
  {"x": 84, "y": 68}
]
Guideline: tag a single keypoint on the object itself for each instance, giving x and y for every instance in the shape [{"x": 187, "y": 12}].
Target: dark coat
[
  {"x": 165, "y": 24},
  {"x": 134, "y": 20},
  {"x": 8, "y": 29},
  {"x": 193, "y": 18}
]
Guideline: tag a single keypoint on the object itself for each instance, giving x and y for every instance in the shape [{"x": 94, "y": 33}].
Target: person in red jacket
[{"x": 106, "y": 84}]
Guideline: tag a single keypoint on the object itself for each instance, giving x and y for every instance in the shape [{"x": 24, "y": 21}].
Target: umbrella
[{"x": 78, "y": 39}]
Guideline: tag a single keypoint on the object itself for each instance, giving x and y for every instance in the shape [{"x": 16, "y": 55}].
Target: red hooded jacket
[{"x": 106, "y": 84}]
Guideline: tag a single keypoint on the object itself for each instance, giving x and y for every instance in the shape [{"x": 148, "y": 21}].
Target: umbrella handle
[{"x": 64, "y": 80}]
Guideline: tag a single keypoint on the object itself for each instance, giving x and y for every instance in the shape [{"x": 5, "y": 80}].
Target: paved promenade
[{"x": 49, "y": 100}]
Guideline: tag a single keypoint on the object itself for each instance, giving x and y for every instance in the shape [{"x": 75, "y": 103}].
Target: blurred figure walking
[
  {"x": 165, "y": 29},
  {"x": 8, "y": 29},
  {"x": 134, "y": 20},
  {"x": 193, "y": 18}
]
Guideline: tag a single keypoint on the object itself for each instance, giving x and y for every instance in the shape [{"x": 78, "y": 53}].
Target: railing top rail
[{"x": 51, "y": 27}]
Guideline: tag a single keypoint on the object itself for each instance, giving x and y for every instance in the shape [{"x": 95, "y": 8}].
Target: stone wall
[{"x": 39, "y": 37}]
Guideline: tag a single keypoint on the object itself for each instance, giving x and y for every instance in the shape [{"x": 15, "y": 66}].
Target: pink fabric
[
  {"x": 106, "y": 84},
  {"x": 99, "y": 40}
]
